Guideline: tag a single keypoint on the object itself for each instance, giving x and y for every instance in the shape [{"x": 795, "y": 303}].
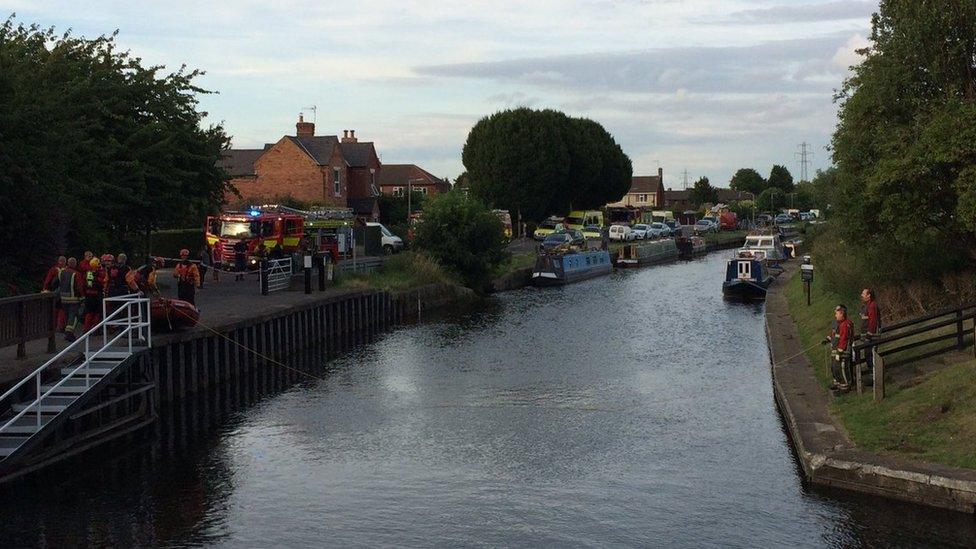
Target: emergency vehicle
[{"x": 278, "y": 228}]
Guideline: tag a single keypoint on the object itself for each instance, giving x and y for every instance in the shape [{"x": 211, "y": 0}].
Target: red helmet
[{"x": 107, "y": 257}]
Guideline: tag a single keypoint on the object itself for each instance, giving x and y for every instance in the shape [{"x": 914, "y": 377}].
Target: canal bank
[{"x": 826, "y": 454}]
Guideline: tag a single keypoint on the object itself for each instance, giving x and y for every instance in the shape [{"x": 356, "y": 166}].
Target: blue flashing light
[{"x": 255, "y": 212}]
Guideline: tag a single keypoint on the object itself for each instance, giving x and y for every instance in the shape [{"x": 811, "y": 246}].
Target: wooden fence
[
  {"x": 25, "y": 318},
  {"x": 914, "y": 339}
]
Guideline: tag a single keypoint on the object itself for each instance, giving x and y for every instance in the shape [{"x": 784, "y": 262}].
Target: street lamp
[{"x": 409, "y": 197}]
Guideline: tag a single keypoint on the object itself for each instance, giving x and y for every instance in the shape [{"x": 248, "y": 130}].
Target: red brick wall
[{"x": 286, "y": 170}]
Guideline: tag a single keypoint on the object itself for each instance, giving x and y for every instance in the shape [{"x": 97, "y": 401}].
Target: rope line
[
  {"x": 791, "y": 357},
  {"x": 251, "y": 350}
]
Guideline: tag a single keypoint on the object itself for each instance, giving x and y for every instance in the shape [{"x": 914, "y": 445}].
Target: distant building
[
  {"x": 680, "y": 200},
  {"x": 645, "y": 190},
  {"x": 395, "y": 179},
  {"x": 320, "y": 169}
]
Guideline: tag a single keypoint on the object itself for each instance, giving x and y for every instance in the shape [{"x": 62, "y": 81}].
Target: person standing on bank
[
  {"x": 187, "y": 278},
  {"x": 206, "y": 262},
  {"x": 240, "y": 259},
  {"x": 870, "y": 320},
  {"x": 72, "y": 289},
  {"x": 840, "y": 338}
]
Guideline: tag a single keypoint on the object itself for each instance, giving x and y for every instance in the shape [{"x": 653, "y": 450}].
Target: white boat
[{"x": 763, "y": 246}]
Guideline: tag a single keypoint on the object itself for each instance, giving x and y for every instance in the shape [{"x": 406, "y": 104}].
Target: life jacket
[
  {"x": 93, "y": 283},
  {"x": 66, "y": 282}
]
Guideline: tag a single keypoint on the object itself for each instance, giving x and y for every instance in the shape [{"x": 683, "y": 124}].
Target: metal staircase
[{"x": 34, "y": 407}]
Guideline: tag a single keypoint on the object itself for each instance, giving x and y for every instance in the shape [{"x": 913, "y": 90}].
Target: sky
[{"x": 707, "y": 86}]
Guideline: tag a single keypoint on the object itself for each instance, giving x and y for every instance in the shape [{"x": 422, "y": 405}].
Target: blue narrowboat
[
  {"x": 746, "y": 277},
  {"x": 556, "y": 269}
]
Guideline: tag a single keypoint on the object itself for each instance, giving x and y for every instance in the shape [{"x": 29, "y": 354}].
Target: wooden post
[
  {"x": 51, "y": 326},
  {"x": 879, "y": 382},
  {"x": 21, "y": 331},
  {"x": 959, "y": 331},
  {"x": 857, "y": 375}
]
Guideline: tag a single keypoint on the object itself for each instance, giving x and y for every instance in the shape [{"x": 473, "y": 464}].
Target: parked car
[
  {"x": 554, "y": 240},
  {"x": 642, "y": 231},
  {"x": 577, "y": 237},
  {"x": 783, "y": 219},
  {"x": 621, "y": 232},
  {"x": 391, "y": 242},
  {"x": 806, "y": 216},
  {"x": 764, "y": 219},
  {"x": 705, "y": 225},
  {"x": 674, "y": 225},
  {"x": 660, "y": 230},
  {"x": 546, "y": 228},
  {"x": 593, "y": 231}
]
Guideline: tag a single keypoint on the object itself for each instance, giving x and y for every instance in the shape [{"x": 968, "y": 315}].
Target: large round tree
[{"x": 542, "y": 162}]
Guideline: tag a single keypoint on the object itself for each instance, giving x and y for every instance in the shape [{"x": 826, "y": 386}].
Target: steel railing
[{"x": 131, "y": 318}]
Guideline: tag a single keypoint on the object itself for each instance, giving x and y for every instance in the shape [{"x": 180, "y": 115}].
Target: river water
[{"x": 631, "y": 410}]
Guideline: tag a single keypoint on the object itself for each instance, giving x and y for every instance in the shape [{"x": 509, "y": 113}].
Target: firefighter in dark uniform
[{"x": 841, "y": 337}]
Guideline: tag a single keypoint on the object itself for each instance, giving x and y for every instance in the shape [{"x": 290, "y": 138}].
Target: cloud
[
  {"x": 763, "y": 68},
  {"x": 805, "y": 13}
]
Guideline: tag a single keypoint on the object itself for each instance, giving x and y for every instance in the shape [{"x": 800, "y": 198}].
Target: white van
[
  {"x": 391, "y": 242},
  {"x": 621, "y": 232}
]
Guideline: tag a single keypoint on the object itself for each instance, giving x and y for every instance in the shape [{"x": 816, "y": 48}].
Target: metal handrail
[{"x": 133, "y": 322}]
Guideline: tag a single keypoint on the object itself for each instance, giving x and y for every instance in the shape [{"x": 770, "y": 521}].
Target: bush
[
  {"x": 168, "y": 243},
  {"x": 463, "y": 235}
]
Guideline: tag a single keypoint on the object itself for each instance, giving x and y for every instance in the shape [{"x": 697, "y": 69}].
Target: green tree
[
  {"x": 703, "y": 192},
  {"x": 541, "y": 163},
  {"x": 780, "y": 178},
  {"x": 462, "y": 234},
  {"x": 393, "y": 209},
  {"x": 904, "y": 145},
  {"x": 95, "y": 148},
  {"x": 770, "y": 200},
  {"x": 747, "y": 180}
]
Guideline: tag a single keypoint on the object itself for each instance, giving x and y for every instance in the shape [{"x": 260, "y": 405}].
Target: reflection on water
[{"x": 630, "y": 410}]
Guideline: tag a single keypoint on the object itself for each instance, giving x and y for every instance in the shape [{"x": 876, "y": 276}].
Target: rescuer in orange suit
[
  {"x": 143, "y": 279},
  {"x": 94, "y": 289},
  {"x": 51, "y": 282},
  {"x": 187, "y": 276}
]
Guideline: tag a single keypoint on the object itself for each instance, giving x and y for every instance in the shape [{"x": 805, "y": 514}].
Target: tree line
[
  {"x": 97, "y": 149},
  {"x": 904, "y": 189}
]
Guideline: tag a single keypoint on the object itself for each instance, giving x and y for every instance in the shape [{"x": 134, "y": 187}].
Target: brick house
[
  {"x": 320, "y": 169},
  {"x": 645, "y": 190},
  {"x": 396, "y": 178}
]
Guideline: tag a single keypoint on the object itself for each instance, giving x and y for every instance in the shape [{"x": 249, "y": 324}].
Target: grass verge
[
  {"x": 515, "y": 261},
  {"x": 929, "y": 414},
  {"x": 403, "y": 271}
]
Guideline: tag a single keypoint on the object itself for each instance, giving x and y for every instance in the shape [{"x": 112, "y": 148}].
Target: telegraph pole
[
  {"x": 804, "y": 154},
  {"x": 684, "y": 176}
]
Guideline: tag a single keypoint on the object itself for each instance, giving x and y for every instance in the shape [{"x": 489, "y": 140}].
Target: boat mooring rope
[{"x": 791, "y": 357}]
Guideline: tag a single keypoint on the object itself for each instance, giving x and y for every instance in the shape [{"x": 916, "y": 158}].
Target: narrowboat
[
  {"x": 556, "y": 269},
  {"x": 746, "y": 277},
  {"x": 690, "y": 246},
  {"x": 646, "y": 253},
  {"x": 764, "y": 245}
]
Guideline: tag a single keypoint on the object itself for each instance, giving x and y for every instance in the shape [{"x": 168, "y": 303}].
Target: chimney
[
  {"x": 345, "y": 134},
  {"x": 350, "y": 138},
  {"x": 303, "y": 128}
]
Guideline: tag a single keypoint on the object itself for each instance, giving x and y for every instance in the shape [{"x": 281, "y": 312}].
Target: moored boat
[
  {"x": 746, "y": 277},
  {"x": 690, "y": 246},
  {"x": 556, "y": 268},
  {"x": 764, "y": 245},
  {"x": 646, "y": 253},
  {"x": 171, "y": 314}
]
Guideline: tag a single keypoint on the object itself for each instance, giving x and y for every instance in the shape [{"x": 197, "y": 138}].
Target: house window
[
  {"x": 397, "y": 191},
  {"x": 642, "y": 198},
  {"x": 423, "y": 190},
  {"x": 336, "y": 182}
]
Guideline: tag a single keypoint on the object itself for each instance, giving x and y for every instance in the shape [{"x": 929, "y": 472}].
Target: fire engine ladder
[{"x": 34, "y": 407}]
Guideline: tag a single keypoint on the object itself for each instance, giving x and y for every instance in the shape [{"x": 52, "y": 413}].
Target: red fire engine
[{"x": 281, "y": 229}]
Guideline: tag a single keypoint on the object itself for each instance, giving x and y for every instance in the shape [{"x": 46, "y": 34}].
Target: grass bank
[
  {"x": 515, "y": 262},
  {"x": 930, "y": 409},
  {"x": 403, "y": 271}
]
